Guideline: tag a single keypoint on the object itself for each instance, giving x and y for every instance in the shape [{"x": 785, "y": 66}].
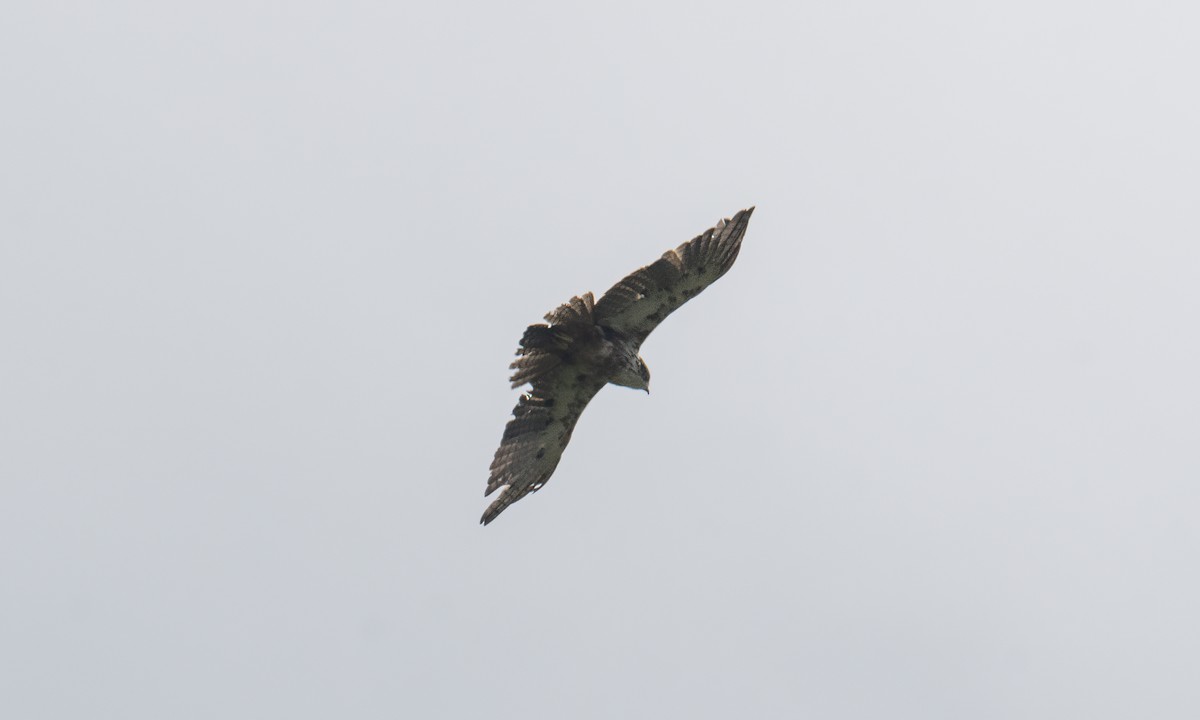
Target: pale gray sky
[{"x": 929, "y": 450}]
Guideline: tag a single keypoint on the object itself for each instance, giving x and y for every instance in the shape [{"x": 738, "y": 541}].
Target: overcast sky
[{"x": 930, "y": 450}]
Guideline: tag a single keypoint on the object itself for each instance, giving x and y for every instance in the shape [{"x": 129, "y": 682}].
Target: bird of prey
[{"x": 589, "y": 343}]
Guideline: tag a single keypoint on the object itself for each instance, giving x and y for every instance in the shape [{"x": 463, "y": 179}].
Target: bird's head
[{"x": 633, "y": 373}]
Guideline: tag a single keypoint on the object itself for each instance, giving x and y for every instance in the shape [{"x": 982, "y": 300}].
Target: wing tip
[
  {"x": 742, "y": 216},
  {"x": 743, "y": 213},
  {"x": 732, "y": 227},
  {"x": 498, "y": 505},
  {"x": 490, "y": 513}
]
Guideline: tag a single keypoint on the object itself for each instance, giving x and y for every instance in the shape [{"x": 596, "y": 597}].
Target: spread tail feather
[{"x": 545, "y": 347}]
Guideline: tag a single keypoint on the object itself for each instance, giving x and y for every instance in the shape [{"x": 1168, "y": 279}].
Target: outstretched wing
[
  {"x": 545, "y": 416},
  {"x": 637, "y": 304},
  {"x": 535, "y": 438}
]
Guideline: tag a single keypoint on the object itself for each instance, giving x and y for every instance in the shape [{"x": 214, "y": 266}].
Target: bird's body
[{"x": 588, "y": 344}]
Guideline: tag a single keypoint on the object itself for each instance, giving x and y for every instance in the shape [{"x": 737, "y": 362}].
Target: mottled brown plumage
[{"x": 588, "y": 344}]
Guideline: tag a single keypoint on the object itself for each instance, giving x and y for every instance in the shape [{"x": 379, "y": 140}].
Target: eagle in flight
[{"x": 589, "y": 343}]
